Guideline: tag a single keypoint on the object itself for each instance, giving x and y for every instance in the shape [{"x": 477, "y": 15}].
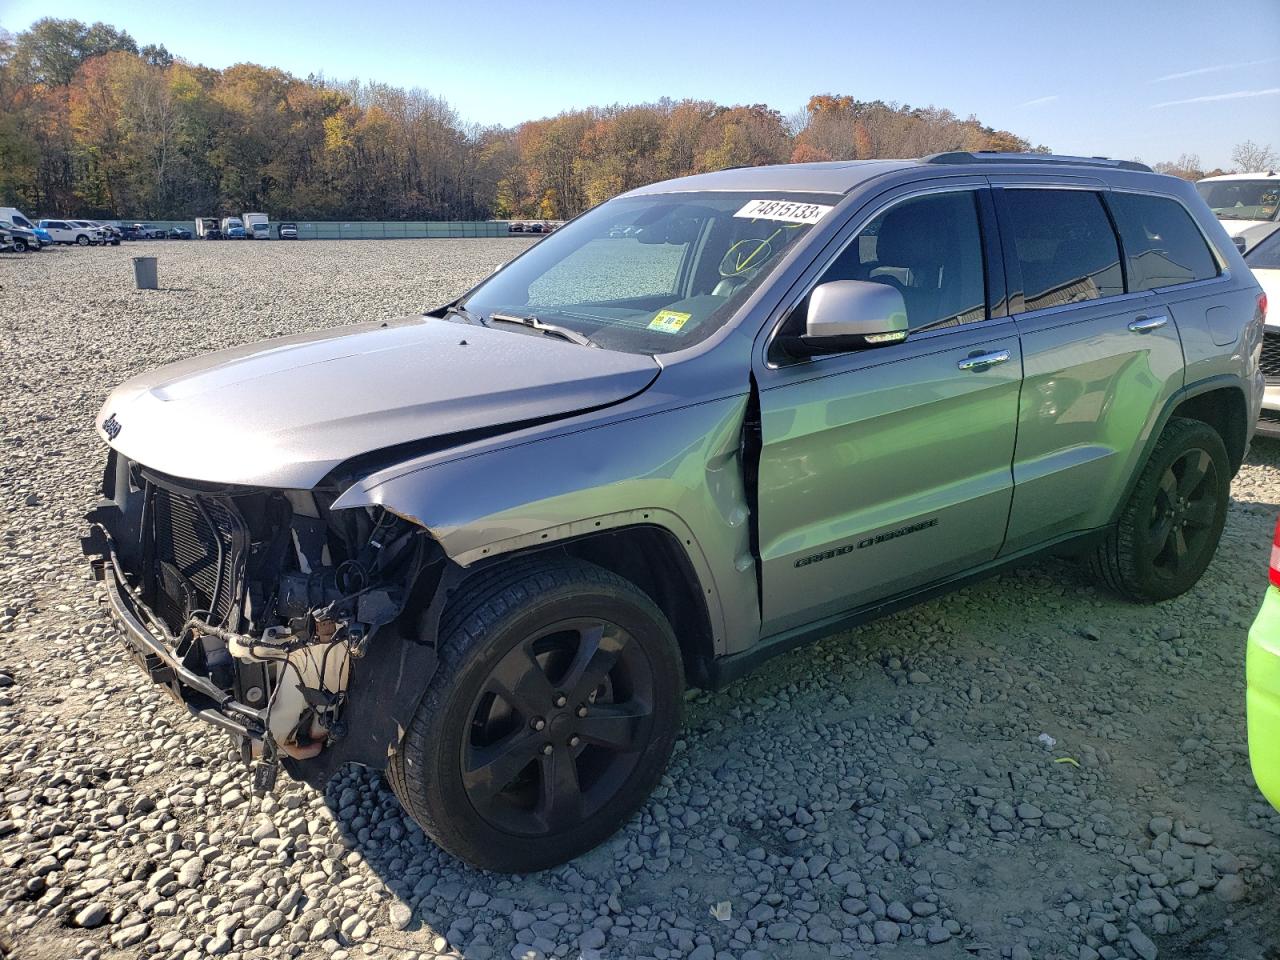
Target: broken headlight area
[{"x": 262, "y": 599}]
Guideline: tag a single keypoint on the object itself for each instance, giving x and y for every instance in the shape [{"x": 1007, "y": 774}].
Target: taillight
[
  {"x": 1262, "y": 307},
  {"x": 1275, "y": 558}
]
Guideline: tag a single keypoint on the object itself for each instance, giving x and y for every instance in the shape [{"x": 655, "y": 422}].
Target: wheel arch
[
  {"x": 1220, "y": 401},
  {"x": 1224, "y": 408},
  {"x": 659, "y": 562}
]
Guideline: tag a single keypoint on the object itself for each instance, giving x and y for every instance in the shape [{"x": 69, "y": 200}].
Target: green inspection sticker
[{"x": 669, "y": 321}]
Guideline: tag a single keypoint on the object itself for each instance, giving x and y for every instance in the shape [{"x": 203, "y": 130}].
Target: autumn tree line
[{"x": 93, "y": 125}]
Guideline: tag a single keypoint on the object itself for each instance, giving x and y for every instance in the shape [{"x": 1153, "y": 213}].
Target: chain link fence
[{"x": 363, "y": 229}]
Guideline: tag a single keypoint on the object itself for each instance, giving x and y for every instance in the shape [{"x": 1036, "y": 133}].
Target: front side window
[
  {"x": 1242, "y": 199},
  {"x": 1266, "y": 255},
  {"x": 930, "y": 250},
  {"x": 653, "y": 273},
  {"x": 1065, "y": 247},
  {"x": 1162, "y": 244}
]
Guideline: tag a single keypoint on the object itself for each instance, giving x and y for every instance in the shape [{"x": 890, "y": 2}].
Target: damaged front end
[{"x": 300, "y": 630}]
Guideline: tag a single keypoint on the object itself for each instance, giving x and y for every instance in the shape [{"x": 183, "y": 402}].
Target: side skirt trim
[{"x": 725, "y": 670}]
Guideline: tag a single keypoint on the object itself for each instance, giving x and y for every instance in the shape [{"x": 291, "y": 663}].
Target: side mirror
[
  {"x": 846, "y": 315},
  {"x": 1240, "y": 243}
]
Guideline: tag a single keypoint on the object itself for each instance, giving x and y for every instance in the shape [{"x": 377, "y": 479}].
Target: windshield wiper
[
  {"x": 550, "y": 329},
  {"x": 465, "y": 314}
]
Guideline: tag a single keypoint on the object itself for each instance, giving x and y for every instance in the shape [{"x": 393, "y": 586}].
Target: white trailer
[
  {"x": 207, "y": 228},
  {"x": 257, "y": 226}
]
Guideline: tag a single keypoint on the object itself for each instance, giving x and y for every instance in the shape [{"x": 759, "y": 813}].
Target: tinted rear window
[
  {"x": 1065, "y": 246},
  {"x": 1161, "y": 242}
]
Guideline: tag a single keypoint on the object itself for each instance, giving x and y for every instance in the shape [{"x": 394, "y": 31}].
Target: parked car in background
[
  {"x": 68, "y": 231},
  {"x": 6, "y": 238},
  {"x": 129, "y": 231},
  {"x": 257, "y": 226},
  {"x": 515, "y": 226},
  {"x": 1263, "y": 259},
  {"x": 20, "y": 238},
  {"x": 110, "y": 232},
  {"x": 1242, "y": 200},
  {"x": 491, "y": 567},
  {"x": 1262, "y": 677},
  {"x": 208, "y": 228},
  {"x": 232, "y": 228},
  {"x": 146, "y": 231},
  {"x": 179, "y": 233},
  {"x": 100, "y": 235},
  {"x": 17, "y": 218},
  {"x": 288, "y": 231}
]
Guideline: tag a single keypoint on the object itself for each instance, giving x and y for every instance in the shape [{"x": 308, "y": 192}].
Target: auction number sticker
[
  {"x": 669, "y": 321},
  {"x": 788, "y": 211}
]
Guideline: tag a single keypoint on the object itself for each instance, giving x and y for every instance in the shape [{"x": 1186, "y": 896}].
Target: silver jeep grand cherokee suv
[{"x": 486, "y": 548}]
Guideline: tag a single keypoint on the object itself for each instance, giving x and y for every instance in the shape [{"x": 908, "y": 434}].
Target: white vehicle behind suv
[
  {"x": 1242, "y": 200},
  {"x": 72, "y": 231}
]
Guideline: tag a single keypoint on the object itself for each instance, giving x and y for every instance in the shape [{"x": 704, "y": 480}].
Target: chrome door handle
[
  {"x": 984, "y": 360},
  {"x": 1147, "y": 324}
]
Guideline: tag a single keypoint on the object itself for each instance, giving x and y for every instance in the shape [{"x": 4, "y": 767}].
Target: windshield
[
  {"x": 1242, "y": 199},
  {"x": 652, "y": 274}
]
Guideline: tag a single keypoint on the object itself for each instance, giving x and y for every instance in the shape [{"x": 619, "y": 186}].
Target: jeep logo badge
[{"x": 111, "y": 427}]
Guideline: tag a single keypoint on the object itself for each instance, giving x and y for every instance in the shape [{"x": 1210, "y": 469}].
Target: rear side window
[
  {"x": 1065, "y": 247},
  {"x": 1162, "y": 244}
]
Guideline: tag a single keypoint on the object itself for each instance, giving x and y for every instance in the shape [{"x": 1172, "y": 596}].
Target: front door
[{"x": 884, "y": 469}]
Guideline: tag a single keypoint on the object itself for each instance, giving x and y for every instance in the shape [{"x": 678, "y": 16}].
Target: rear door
[
  {"x": 887, "y": 468},
  {"x": 1100, "y": 359}
]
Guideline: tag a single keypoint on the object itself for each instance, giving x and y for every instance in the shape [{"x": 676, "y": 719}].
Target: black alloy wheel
[
  {"x": 551, "y": 715},
  {"x": 1169, "y": 528},
  {"x": 555, "y": 728},
  {"x": 1182, "y": 513}
]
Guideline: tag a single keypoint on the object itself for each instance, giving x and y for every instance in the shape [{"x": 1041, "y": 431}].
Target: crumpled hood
[{"x": 285, "y": 412}]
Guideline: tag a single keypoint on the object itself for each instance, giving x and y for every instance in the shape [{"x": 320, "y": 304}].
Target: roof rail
[{"x": 992, "y": 156}]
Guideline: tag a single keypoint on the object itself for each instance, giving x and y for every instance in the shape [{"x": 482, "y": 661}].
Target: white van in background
[
  {"x": 15, "y": 216},
  {"x": 256, "y": 226}
]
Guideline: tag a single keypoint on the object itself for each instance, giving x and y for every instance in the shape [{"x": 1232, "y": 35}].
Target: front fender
[{"x": 678, "y": 469}]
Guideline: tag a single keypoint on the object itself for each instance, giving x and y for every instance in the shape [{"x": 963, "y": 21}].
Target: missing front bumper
[
  {"x": 385, "y": 685},
  {"x": 152, "y": 647}
]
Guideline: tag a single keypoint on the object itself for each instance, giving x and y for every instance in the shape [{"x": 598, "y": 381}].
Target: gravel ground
[{"x": 885, "y": 793}]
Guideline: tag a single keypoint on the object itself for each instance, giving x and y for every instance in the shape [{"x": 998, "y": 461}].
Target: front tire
[
  {"x": 1171, "y": 524},
  {"x": 20, "y": 245},
  {"x": 549, "y": 720},
  {"x": 82, "y": 240}
]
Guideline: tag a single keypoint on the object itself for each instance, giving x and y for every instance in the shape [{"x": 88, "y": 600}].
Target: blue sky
[{"x": 1120, "y": 78}]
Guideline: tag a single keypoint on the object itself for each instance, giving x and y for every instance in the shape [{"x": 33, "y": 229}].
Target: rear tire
[
  {"x": 1171, "y": 524},
  {"x": 507, "y": 782},
  {"x": 82, "y": 240}
]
